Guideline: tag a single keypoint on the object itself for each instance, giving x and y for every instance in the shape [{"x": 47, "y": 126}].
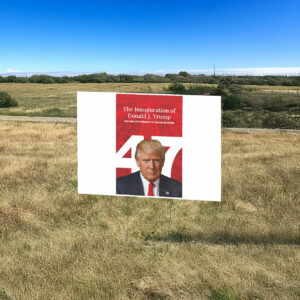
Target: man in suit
[{"x": 150, "y": 158}]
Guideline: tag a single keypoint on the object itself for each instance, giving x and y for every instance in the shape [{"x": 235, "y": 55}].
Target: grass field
[
  {"x": 56, "y": 244},
  {"x": 59, "y": 100}
]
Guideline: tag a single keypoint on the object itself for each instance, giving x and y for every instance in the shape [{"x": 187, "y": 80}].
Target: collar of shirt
[{"x": 146, "y": 185}]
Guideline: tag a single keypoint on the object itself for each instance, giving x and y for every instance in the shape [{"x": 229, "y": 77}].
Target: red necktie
[{"x": 150, "y": 189}]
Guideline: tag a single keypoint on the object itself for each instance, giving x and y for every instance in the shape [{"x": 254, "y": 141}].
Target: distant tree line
[{"x": 181, "y": 77}]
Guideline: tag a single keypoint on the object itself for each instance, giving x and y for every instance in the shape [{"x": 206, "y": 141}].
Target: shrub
[
  {"x": 184, "y": 74},
  {"x": 195, "y": 89},
  {"x": 230, "y": 102},
  {"x": 259, "y": 119},
  {"x": 6, "y": 100},
  {"x": 280, "y": 120},
  {"x": 229, "y": 119},
  {"x": 201, "y": 90},
  {"x": 41, "y": 79},
  {"x": 177, "y": 88}
]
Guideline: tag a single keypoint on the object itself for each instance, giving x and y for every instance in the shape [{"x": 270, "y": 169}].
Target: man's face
[{"x": 150, "y": 165}]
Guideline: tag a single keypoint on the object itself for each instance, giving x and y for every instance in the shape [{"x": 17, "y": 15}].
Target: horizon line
[{"x": 284, "y": 71}]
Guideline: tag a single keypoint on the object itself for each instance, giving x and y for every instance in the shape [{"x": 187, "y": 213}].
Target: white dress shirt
[{"x": 146, "y": 186}]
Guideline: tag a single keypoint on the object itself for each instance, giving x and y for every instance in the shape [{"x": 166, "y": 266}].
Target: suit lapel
[
  {"x": 138, "y": 186},
  {"x": 163, "y": 188}
]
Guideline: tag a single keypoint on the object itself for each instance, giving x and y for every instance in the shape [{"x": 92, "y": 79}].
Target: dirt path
[
  {"x": 74, "y": 120},
  {"x": 248, "y": 130},
  {"x": 38, "y": 119}
]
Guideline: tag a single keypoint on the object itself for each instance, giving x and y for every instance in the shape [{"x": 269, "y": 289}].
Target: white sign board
[{"x": 188, "y": 128}]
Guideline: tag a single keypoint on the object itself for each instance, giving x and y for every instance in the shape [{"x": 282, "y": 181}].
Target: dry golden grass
[
  {"x": 60, "y": 99},
  {"x": 56, "y": 244}
]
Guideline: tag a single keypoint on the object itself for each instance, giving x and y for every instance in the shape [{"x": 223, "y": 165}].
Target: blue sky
[{"x": 148, "y": 36}]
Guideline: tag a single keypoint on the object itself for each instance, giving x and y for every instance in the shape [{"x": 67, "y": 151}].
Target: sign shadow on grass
[
  {"x": 163, "y": 241},
  {"x": 223, "y": 237}
]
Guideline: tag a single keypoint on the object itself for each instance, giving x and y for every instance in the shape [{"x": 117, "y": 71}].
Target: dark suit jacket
[{"x": 132, "y": 185}]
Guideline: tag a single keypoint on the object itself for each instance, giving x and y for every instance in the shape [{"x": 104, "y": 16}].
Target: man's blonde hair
[{"x": 150, "y": 147}]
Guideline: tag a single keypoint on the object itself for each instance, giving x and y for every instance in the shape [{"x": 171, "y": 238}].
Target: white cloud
[
  {"x": 238, "y": 71},
  {"x": 260, "y": 71},
  {"x": 10, "y": 70}
]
